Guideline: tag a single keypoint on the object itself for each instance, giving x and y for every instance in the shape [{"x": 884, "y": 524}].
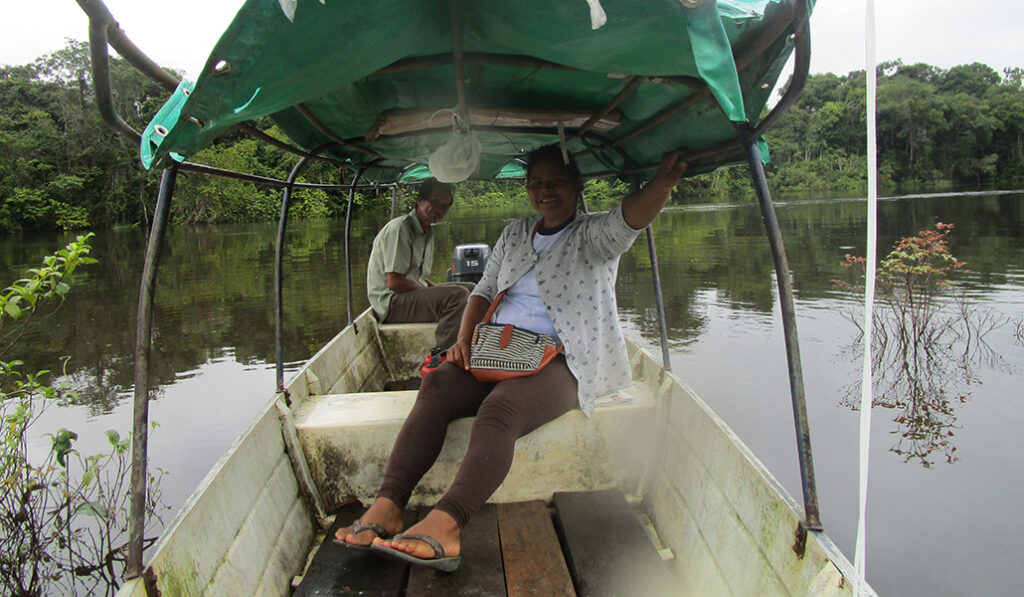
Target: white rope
[{"x": 869, "y": 298}]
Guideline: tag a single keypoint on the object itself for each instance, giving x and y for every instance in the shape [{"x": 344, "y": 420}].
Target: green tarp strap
[
  {"x": 762, "y": 148},
  {"x": 713, "y": 54},
  {"x": 416, "y": 173},
  {"x": 157, "y": 129}
]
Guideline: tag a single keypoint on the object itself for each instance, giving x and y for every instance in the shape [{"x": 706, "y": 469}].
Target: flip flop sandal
[
  {"x": 438, "y": 562},
  {"x": 358, "y": 527}
]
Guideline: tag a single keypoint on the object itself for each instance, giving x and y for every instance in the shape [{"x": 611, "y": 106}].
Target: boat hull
[{"x": 728, "y": 526}]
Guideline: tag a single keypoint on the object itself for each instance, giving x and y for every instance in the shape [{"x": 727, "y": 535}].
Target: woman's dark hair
[
  {"x": 552, "y": 153},
  {"x": 429, "y": 185}
]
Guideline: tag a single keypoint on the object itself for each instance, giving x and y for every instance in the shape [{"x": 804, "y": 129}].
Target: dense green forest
[{"x": 60, "y": 168}]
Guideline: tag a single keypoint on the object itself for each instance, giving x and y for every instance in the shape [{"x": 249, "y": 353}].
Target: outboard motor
[{"x": 468, "y": 262}]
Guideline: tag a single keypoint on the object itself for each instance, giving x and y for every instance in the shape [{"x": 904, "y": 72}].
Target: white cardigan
[{"x": 576, "y": 279}]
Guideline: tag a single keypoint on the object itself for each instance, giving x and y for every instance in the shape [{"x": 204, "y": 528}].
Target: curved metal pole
[
  {"x": 101, "y": 82},
  {"x": 801, "y": 70},
  {"x": 666, "y": 362},
  {"x": 796, "y": 379},
  {"x": 107, "y": 31},
  {"x": 583, "y": 202},
  {"x": 99, "y": 14},
  {"x": 732, "y": 148},
  {"x": 652, "y": 251},
  {"x": 282, "y": 225},
  {"x": 348, "y": 234},
  {"x": 140, "y": 402}
]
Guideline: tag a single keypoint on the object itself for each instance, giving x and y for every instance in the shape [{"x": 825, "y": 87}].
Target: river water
[{"x": 946, "y": 483}]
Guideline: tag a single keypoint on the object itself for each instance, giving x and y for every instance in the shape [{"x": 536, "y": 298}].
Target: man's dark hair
[
  {"x": 429, "y": 185},
  {"x": 552, "y": 153}
]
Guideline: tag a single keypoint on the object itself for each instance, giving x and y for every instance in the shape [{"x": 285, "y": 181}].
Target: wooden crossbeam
[{"x": 534, "y": 565}]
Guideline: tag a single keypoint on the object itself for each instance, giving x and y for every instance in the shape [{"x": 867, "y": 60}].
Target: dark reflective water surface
[{"x": 951, "y": 528}]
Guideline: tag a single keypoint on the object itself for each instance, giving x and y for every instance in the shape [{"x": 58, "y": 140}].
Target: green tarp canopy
[{"x": 378, "y": 79}]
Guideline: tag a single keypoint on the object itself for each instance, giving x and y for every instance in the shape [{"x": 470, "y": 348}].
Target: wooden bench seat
[{"x": 347, "y": 439}]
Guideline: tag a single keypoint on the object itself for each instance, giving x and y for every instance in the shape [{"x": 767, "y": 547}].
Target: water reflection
[
  {"x": 923, "y": 376},
  {"x": 214, "y": 296},
  {"x": 928, "y": 341}
]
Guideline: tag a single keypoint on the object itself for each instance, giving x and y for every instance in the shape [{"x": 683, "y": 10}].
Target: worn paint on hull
[{"x": 728, "y": 522}]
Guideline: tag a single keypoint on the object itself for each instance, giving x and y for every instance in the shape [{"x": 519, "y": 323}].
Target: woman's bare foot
[
  {"x": 437, "y": 524},
  {"x": 383, "y": 512}
]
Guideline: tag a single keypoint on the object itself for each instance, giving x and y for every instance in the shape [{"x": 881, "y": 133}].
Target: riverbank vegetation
[
  {"x": 60, "y": 168},
  {"x": 63, "y": 514}
]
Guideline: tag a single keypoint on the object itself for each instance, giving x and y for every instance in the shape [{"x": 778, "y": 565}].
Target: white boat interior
[{"x": 721, "y": 521}]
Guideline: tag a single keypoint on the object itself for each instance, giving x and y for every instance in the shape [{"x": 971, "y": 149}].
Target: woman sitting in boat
[{"x": 559, "y": 269}]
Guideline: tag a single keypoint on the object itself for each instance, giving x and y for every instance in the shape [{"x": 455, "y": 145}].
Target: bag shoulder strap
[
  {"x": 501, "y": 295},
  {"x": 493, "y": 307}
]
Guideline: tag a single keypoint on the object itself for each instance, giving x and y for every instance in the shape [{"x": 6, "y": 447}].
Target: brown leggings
[{"x": 504, "y": 412}]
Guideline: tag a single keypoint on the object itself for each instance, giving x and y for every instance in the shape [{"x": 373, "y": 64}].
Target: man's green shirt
[{"x": 401, "y": 247}]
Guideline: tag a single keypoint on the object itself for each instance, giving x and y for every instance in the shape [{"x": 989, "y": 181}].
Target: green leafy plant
[
  {"x": 63, "y": 515},
  {"x": 20, "y": 301}
]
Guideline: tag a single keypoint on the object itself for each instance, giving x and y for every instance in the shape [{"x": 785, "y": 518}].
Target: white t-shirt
[{"x": 522, "y": 305}]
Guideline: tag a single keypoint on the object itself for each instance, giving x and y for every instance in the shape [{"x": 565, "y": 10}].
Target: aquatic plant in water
[{"x": 928, "y": 339}]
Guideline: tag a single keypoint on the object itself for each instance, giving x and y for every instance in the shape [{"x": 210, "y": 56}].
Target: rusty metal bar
[
  {"x": 489, "y": 59},
  {"x": 460, "y": 80},
  {"x": 742, "y": 59},
  {"x": 101, "y": 82},
  {"x": 659, "y": 301},
  {"x": 100, "y": 16},
  {"x": 282, "y": 226},
  {"x": 801, "y": 68},
  {"x": 796, "y": 380},
  {"x": 263, "y": 180},
  {"x": 628, "y": 90},
  {"x": 140, "y": 401},
  {"x": 104, "y": 29},
  {"x": 320, "y": 126},
  {"x": 258, "y": 134}
]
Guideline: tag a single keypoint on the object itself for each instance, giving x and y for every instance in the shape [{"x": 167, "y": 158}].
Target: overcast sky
[{"x": 181, "y": 33}]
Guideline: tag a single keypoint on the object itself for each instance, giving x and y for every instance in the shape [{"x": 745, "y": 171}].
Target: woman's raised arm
[{"x": 640, "y": 208}]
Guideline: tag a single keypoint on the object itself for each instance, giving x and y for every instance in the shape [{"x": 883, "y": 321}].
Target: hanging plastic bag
[{"x": 459, "y": 157}]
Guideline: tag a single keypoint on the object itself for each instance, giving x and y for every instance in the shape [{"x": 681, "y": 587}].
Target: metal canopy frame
[{"x": 104, "y": 30}]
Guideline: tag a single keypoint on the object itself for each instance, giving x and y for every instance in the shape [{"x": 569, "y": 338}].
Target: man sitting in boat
[
  {"x": 400, "y": 261},
  {"x": 559, "y": 270}
]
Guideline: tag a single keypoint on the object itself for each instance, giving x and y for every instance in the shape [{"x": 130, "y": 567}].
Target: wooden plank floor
[{"x": 510, "y": 550}]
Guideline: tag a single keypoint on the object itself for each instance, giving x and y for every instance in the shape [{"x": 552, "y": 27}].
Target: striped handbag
[{"x": 503, "y": 351}]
